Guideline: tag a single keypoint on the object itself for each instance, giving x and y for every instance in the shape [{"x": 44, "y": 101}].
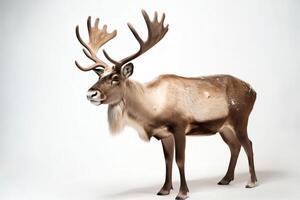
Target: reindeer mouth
[{"x": 96, "y": 103}]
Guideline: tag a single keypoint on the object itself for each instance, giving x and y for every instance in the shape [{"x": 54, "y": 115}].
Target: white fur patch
[
  {"x": 115, "y": 118},
  {"x": 251, "y": 184},
  {"x": 232, "y": 102},
  {"x": 206, "y": 94},
  {"x": 118, "y": 119}
]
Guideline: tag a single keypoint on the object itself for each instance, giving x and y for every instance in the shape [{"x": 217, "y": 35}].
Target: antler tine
[
  {"x": 156, "y": 31},
  {"x": 163, "y": 19},
  {"x": 88, "y": 68},
  {"x": 97, "y": 38},
  {"x": 155, "y": 16},
  {"x": 117, "y": 63}
]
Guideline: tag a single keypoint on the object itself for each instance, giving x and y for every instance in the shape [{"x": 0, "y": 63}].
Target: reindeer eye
[
  {"x": 99, "y": 70},
  {"x": 115, "y": 79}
]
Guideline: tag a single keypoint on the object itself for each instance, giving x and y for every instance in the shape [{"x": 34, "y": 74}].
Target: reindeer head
[{"x": 110, "y": 87}]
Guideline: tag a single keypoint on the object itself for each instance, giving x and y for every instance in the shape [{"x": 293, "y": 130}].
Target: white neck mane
[{"x": 115, "y": 116}]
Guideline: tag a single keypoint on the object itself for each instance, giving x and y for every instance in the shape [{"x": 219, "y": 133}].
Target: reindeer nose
[{"x": 93, "y": 95}]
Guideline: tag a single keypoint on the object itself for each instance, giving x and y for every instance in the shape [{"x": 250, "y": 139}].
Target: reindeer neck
[
  {"x": 131, "y": 106},
  {"x": 134, "y": 98}
]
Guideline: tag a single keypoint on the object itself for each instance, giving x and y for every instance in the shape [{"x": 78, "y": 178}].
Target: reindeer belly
[{"x": 205, "y": 128}]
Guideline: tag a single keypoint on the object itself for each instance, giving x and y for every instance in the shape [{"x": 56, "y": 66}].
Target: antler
[
  {"x": 156, "y": 31},
  {"x": 97, "y": 38}
]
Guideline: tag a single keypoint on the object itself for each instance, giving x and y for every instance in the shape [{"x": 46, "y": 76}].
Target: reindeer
[{"x": 170, "y": 107}]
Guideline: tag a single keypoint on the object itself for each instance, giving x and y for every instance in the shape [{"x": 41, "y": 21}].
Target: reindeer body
[
  {"x": 202, "y": 105},
  {"x": 170, "y": 107}
]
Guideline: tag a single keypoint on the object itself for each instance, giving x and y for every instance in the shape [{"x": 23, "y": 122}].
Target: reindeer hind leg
[
  {"x": 228, "y": 135},
  {"x": 242, "y": 135}
]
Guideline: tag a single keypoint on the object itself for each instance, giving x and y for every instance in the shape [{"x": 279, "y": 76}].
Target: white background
[{"x": 55, "y": 145}]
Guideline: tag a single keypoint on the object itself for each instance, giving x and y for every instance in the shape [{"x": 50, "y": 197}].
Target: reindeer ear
[{"x": 127, "y": 70}]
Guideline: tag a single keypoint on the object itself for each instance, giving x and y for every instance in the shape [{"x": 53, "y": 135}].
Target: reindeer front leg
[
  {"x": 168, "y": 148},
  {"x": 179, "y": 137}
]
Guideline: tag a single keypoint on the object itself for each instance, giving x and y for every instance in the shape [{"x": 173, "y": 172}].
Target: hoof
[
  {"x": 251, "y": 184},
  {"x": 163, "y": 192},
  {"x": 225, "y": 181},
  {"x": 181, "y": 196}
]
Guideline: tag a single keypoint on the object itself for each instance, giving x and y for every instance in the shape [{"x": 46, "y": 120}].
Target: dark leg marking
[
  {"x": 179, "y": 137},
  {"x": 168, "y": 148}
]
